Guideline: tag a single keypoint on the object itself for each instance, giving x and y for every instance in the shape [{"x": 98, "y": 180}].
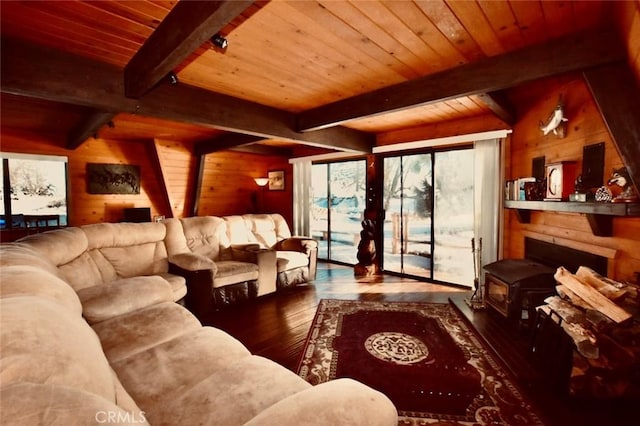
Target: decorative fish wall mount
[{"x": 557, "y": 122}]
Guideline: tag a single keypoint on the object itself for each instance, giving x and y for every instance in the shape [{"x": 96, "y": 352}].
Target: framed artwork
[
  {"x": 276, "y": 180},
  {"x": 113, "y": 179}
]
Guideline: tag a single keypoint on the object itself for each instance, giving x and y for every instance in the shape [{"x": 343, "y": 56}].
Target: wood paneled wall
[
  {"x": 585, "y": 126},
  {"x": 85, "y": 208},
  {"x": 177, "y": 168},
  {"x": 228, "y": 185}
]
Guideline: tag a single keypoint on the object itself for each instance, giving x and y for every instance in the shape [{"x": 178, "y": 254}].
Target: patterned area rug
[{"x": 423, "y": 356}]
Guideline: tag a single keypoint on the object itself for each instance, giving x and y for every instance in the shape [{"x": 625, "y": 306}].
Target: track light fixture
[
  {"x": 219, "y": 41},
  {"x": 173, "y": 78}
]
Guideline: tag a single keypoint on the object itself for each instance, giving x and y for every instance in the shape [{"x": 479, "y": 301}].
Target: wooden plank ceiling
[{"x": 286, "y": 60}]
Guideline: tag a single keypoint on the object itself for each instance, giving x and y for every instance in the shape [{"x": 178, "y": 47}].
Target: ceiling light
[
  {"x": 261, "y": 181},
  {"x": 173, "y": 78},
  {"x": 219, "y": 41}
]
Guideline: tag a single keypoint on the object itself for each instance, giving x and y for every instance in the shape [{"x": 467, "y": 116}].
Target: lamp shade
[{"x": 261, "y": 181}]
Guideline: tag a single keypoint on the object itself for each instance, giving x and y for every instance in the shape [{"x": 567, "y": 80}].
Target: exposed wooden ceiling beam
[
  {"x": 572, "y": 53},
  {"x": 222, "y": 142},
  {"x": 153, "y": 153},
  {"x": 617, "y": 95},
  {"x": 498, "y": 103},
  {"x": 185, "y": 28},
  {"x": 88, "y": 127},
  {"x": 276, "y": 151},
  {"x": 40, "y": 72},
  {"x": 238, "y": 142}
]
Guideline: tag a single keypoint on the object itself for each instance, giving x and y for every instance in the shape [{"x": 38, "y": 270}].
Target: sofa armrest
[
  {"x": 306, "y": 245},
  {"x": 302, "y": 244},
  {"x": 266, "y": 261},
  {"x": 199, "y": 272},
  {"x": 247, "y": 246},
  {"x": 193, "y": 262},
  {"x": 340, "y": 401}
]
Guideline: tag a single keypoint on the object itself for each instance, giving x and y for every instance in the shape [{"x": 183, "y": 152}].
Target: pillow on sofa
[
  {"x": 47, "y": 404},
  {"x": 21, "y": 280},
  {"x": 43, "y": 342},
  {"x": 118, "y": 297}
]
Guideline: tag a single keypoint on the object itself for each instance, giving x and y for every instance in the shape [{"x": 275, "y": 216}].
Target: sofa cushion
[
  {"x": 164, "y": 372},
  {"x": 351, "y": 402},
  {"x": 263, "y": 229},
  {"x": 238, "y": 230},
  {"x": 30, "y": 280},
  {"x": 281, "y": 227},
  {"x": 122, "y": 296},
  {"x": 44, "y": 342},
  {"x": 175, "y": 240},
  {"x": 231, "y": 395},
  {"x": 83, "y": 272},
  {"x": 126, "y": 335},
  {"x": 178, "y": 284},
  {"x": 119, "y": 243},
  {"x": 60, "y": 246},
  {"x": 205, "y": 235},
  {"x": 232, "y": 272},
  {"x": 56, "y": 405},
  {"x": 21, "y": 254},
  {"x": 131, "y": 261},
  {"x": 287, "y": 260}
]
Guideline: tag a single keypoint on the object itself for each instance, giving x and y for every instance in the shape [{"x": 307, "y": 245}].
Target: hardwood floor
[{"x": 276, "y": 327}]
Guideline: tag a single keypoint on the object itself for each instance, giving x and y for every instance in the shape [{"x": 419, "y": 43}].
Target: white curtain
[
  {"x": 301, "y": 197},
  {"x": 487, "y": 203}
]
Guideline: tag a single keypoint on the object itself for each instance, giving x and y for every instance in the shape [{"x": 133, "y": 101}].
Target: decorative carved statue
[{"x": 367, "y": 246}]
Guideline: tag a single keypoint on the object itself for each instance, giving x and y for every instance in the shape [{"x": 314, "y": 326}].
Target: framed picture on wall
[
  {"x": 276, "y": 180},
  {"x": 113, "y": 178}
]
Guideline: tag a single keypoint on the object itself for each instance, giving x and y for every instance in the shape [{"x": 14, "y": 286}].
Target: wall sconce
[
  {"x": 220, "y": 42},
  {"x": 261, "y": 181}
]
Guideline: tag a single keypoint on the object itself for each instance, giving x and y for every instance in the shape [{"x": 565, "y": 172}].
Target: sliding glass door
[
  {"x": 428, "y": 202},
  {"x": 338, "y": 195},
  {"x": 407, "y": 201},
  {"x": 428, "y": 206},
  {"x": 453, "y": 217}
]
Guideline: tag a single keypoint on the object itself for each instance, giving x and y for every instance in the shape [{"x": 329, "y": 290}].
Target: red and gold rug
[{"x": 423, "y": 356}]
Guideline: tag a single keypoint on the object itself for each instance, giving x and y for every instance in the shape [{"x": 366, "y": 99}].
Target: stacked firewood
[{"x": 602, "y": 316}]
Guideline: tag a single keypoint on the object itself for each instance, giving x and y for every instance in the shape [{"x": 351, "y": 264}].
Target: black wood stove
[{"x": 514, "y": 287}]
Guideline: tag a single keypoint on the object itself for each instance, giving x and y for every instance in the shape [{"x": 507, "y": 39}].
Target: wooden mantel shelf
[{"x": 599, "y": 215}]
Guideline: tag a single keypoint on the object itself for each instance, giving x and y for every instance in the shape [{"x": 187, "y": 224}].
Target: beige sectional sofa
[{"x": 90, "y": 333}]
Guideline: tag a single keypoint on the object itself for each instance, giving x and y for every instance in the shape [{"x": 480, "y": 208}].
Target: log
[
  {"x": 612, "y": 290},
  {"x": 567, "y": 311},
  {"x": 567, "y": 294},
  {"x": 584, "y": 340},
  {"x": 591, "y": 296}
]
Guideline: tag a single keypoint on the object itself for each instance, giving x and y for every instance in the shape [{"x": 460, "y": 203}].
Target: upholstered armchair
[{"x": 296, "y": 257}]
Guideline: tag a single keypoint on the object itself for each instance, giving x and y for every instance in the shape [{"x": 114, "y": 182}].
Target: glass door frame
[
  {"x": 380, "y": 226},
  {"x": 330, "y": 197}
]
